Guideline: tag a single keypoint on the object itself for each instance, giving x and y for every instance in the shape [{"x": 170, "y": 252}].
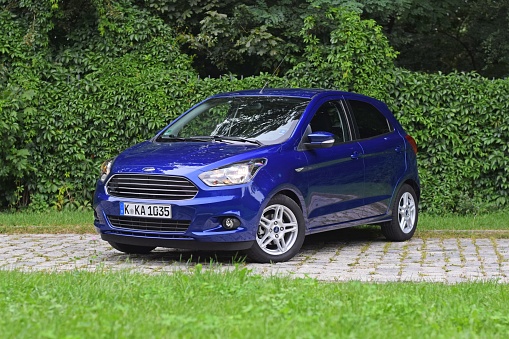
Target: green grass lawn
[
  {"x": 496, "y": 220},
  {"x": 210, "y": 304},
  {"x": 50, "y": 221}
]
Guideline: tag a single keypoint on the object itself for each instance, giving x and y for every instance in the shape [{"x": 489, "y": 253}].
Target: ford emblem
[{"x": 149, "y": 169}]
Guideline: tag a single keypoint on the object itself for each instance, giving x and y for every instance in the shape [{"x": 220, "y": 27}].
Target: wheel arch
[
  {"x": 292, "y": 195},
  {"x": 412, "y": 182},
  {"x": 415, "y": 186}
]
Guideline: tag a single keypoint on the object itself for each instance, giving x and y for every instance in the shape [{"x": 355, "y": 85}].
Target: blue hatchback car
[{"x": 259, "y": 170}]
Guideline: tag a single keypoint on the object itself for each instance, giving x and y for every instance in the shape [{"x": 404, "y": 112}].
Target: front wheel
[
  {"x": 405, "y": 215},
  {"x": 131, "y": 249},
  {"x": 280, "y": 231}
]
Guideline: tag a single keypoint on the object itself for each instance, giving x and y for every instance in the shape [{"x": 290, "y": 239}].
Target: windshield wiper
[
  {"x": 225, "y": 137},
  {"x": 205, "y": 138},
  {"x": 176, "y": 138}
]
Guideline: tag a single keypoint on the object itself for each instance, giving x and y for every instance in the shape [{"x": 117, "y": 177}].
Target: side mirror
[{"x": 319, "y": 140}]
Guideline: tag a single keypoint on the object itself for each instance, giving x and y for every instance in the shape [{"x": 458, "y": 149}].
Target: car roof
[{"x": 306, "y": 93}]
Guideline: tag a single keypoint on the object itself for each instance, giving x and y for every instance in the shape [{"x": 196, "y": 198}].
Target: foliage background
[{"x": 82, "y": 80}]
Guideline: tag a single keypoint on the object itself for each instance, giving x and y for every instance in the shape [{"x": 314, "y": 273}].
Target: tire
[
  {"x": 405, "y": 214},
  {"x": 280, "y": 233},
  {"x": 131, "y": 249}
]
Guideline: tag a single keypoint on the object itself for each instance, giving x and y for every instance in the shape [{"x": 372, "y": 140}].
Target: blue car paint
[{"x": 361, "y": 194}]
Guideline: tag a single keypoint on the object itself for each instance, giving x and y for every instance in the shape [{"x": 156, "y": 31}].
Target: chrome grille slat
[
  {"x": 152, "y": 189},
  {"x": 148, "y": 224},
  {"x": 156, "y": 176},
  {"x": 127, "y": 184},
  {"x": 152, "y": 183},
  {"x": 163, "y": 196},
  {"x": 153, "y": 192},
  {"x": 162, "y": 187}
]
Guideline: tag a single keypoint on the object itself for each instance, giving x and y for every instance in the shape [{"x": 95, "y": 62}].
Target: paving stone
[{"x": 437, "y": 260}]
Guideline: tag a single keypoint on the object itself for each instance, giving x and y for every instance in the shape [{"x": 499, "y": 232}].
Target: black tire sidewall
[{"x": 391, "y": 230}]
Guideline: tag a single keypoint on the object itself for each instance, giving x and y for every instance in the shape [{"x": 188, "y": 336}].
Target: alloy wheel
[
  {"x": 278, "y": 230},
  {"x": 406, "y": 212}
]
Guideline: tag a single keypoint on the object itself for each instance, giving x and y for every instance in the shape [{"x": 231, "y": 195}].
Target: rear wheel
[
  {"x": 405, "y": 215},
  {"x": 280, "y": 232},
  {"x": 131, "y": 249}
]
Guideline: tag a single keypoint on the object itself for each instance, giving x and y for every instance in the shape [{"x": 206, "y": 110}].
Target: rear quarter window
[{"x": 370, "y": 121}]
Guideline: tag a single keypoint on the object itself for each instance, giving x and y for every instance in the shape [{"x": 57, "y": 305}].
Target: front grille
[
  {"x": 160, "y": 187},
  {"x": 149, "y": 224}
]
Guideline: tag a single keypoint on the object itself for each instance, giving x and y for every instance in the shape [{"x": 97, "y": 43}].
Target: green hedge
[
  {"x": 458, "y": 121},
  {"x": 59, "y": 135},
  {"x": 461, "y": 125}
]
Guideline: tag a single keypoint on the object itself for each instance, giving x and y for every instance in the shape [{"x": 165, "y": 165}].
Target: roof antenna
[{"x": 277, "y": 68}]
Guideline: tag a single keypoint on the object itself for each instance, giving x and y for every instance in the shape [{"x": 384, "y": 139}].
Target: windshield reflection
[{"x": 269, "y": 120}]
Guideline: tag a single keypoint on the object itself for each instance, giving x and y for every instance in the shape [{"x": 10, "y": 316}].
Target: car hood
[{"x": 177, "y": 158}]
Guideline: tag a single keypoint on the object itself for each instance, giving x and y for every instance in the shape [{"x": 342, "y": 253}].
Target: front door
[{"x": 334, "y": 175}]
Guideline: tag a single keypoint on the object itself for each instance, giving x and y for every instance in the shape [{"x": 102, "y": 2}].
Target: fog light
[{"x": 230, "y": 223}]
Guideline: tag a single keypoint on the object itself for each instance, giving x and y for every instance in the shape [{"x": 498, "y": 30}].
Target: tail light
[{"x": 412, "y": 142}]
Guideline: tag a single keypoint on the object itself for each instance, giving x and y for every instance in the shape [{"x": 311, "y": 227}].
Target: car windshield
[{"x": 262, "y": 120}]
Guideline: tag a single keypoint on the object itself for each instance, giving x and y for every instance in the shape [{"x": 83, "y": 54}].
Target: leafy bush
[
  {"x": 55, "y": 148},
  {"x": 356, "y": 57},
  {"x": 461, "y": 126}
]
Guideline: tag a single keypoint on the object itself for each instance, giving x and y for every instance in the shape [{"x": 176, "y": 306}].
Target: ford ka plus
[{"x": 257, "y": 171}]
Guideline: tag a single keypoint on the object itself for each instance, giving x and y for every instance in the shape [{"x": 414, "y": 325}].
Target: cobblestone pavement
[{"x": 325, "y": 258}]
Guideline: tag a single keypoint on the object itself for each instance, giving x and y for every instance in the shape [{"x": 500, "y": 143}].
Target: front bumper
[
  {"x": 203, "y": 214},
  {"x": 172, "y": 243}
]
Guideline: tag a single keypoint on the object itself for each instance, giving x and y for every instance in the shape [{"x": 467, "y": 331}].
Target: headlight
[
  {"x": 234, "y": 174},
  {"x": 105, "y": 169}
]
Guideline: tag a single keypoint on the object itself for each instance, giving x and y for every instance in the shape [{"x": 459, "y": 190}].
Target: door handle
[
  {"x": 398, "y": 149},
  {"x": 355, "y": 155}
]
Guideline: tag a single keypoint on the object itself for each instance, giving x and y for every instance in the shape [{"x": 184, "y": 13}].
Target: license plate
[{"x": 145, "y": 210}]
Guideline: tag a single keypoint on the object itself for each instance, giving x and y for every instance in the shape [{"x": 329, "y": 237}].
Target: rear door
[{"x": 383, "y": 151}]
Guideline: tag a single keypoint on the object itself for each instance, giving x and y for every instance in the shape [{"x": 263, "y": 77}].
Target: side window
[
  {"x": 370, "y": 121},
  {"x": 328, "y": 119}
]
